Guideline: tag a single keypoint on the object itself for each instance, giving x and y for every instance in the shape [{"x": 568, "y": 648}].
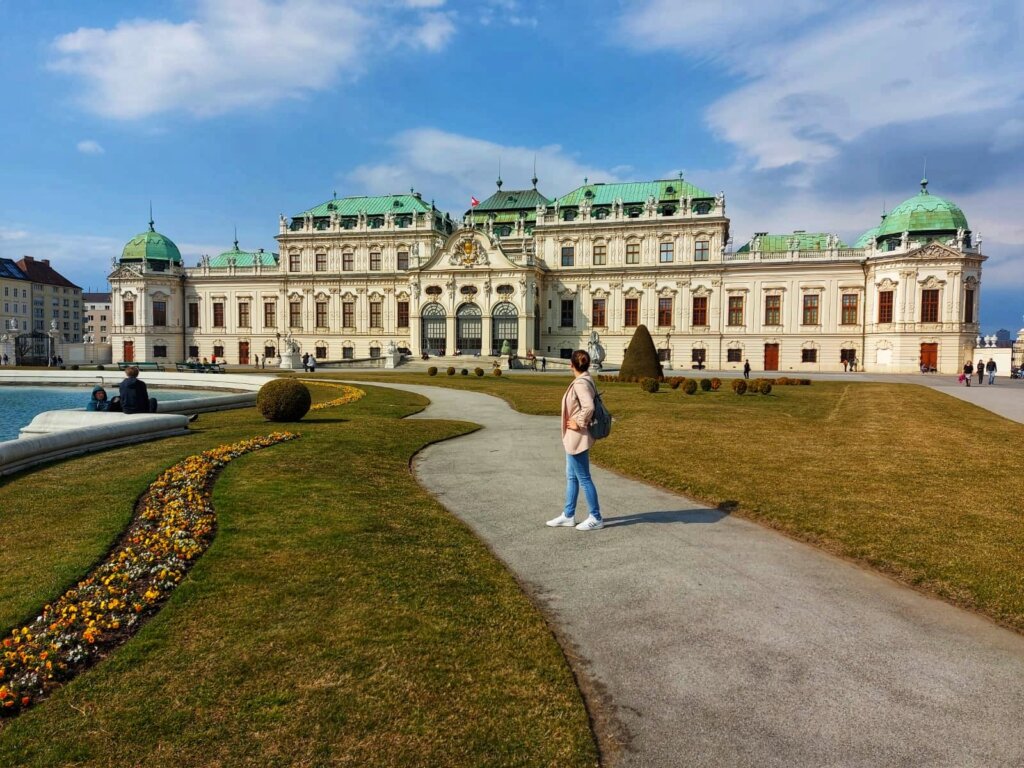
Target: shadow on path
[{"x": 674, "y": 516}]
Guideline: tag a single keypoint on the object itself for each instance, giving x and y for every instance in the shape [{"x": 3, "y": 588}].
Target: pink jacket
[{"x": 578, "y": 405}]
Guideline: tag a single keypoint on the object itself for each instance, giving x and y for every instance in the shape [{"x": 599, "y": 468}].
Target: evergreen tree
[{"x": 641, "y": 358}]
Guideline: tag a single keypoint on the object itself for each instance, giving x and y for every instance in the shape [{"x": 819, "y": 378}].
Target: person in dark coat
[
  {"x": 968, "y": 372},
  {"x": 98, "y": 401},
  {"x": 980, "y": 370},
  {"x": 746, "y": 369},
  {"x": 134, "y": 395}
]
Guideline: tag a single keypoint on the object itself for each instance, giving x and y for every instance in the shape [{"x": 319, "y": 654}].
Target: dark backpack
[{"x": 601, "y": 422}]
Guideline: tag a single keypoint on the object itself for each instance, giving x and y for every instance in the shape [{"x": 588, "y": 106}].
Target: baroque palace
[{"x": 357, "y": 273}]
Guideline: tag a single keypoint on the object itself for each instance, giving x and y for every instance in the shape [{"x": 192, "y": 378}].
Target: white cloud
[
  {"x": 89, "y": 147},
  {"x": 506, "y": 13},
  {"x": 237, "y": 53},
  {"x": 814, "y": 80},
  {"x": 453, "y": 167}
]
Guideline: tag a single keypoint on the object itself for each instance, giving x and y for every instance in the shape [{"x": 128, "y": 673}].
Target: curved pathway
[{"x": 716, "y": 642}]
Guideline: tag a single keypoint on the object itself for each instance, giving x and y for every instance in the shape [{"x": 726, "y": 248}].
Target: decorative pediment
[
  {"x": 294, "y": 296},
  {"x": 667, "y": 292},
  {"x": 632, "y": 292},
  {"x": 931, "y": 283},
  {"x": 599, "y": 293},
  {"x": 935, "y": 250},
  {"x": 737, "y": 291},
  {"x": 322, "y": 295},
  {"x": 376, "y": 296},
  {"x": 125, "y": 272},
  {"x": 348, "y": 296},
  {"x": 402, "y": 295},
  {"x": 774, "y": 290},
  {"x": 700, "y": 290},
  {"x": 888, "y": 284},
  {"x": 971, "y": 282},
  {"x": 566, "y": 292},
  {"x": 468, "y": 252},
  {"x": 159, "y": 295}
]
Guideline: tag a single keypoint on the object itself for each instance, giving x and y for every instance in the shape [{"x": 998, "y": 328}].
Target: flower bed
[
  {"x": 173, "y": 527},
  {"x": 351, "y": 394}
]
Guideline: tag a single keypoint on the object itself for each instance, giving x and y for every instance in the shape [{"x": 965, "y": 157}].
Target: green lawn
[
  {"x": 340, "y": 617},
  {"x": 914, "y": 483}
]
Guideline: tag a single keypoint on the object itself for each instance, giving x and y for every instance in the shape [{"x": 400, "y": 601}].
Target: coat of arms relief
[{"x": 468, "y": 253}]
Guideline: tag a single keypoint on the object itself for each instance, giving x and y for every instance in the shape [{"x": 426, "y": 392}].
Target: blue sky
[{"x": 228, "y": 113}]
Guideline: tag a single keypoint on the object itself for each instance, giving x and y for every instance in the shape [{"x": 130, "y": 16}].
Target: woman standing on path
[{"x": 577, "y": 411}]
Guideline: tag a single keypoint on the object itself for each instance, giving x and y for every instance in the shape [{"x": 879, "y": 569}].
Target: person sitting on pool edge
[
  {"x": 134, "y": 395},
  {"x": 98, "y": 401}
]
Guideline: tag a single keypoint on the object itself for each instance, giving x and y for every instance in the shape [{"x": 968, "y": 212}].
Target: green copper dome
[
  {"x": 922, "y": 213},
  {"x": 151, "y": 246}
]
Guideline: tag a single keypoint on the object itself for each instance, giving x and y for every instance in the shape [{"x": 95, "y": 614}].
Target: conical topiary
[{"x": 641, "y": 358}]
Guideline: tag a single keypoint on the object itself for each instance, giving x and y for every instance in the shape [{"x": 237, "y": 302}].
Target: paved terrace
[{"x": 707, "y": 640}]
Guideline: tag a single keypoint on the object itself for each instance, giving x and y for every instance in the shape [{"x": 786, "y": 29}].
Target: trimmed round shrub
[
  {"x": 478, "y": 371},
  {"x": 432, "y": 371},
  {"x": 675, "y": 382},
  {"x": 451, "y": 370},
  {"x": 283, "y": 400},
  {"x": 464, "y": 372},
  {"x": 497, "y": 371},
  {"x": 754, "y": 386},
  {"x": 74, "y": 367},
  {"x": 805, "y": 382},
  {"x": 641, "y": 358},
  {"x": 716, "y": 384},
  {"x": 739, "y": 386},
  {"x": 690, "y": 387},
  {"x": 648, "y": 384},
  {"x": 766, "y": 388},
  {"x": 705, "y": 385}
]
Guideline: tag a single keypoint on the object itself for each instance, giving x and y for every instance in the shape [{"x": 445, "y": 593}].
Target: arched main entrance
[
  {"x": 504, "y": 327},
  {"x": 469, "y": 329},
  {"x": 434, "y": 329}
]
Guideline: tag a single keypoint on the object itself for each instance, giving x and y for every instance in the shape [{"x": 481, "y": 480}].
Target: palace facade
[{"x": 353, "y": 274}]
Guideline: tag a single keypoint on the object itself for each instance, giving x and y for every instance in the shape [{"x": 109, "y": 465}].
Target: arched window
[
  {"x": 504, "y": 326},
  {"x": 468, "y": 329}
]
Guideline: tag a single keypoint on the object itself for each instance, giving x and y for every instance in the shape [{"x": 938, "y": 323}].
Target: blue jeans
[
  {"x": 577, "y": 473},
  {"x": 991, "y": 377}
]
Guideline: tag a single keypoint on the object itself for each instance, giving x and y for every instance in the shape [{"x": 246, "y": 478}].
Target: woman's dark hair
[{"x": 580, "y": 360}]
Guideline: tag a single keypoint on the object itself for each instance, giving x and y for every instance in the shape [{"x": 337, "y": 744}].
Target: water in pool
[{"x": 18, "y": 405}]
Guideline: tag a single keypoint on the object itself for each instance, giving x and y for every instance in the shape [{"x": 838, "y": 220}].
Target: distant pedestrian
[
  {"x": 854, "y": 362},
  {"x": 264, "y": 363},
  {"x": 257, "y": 358},
  {"x": 980, "y": 370},
  {"x": 543, "y": 364},
  {"x": 312, "y": 363},
  {"x": 846, "y": 364},
  {"x": 991, "y": 368},
  {"x": 577, "y": 411},
  {"x": 968, "y": 372},
  {"x": 134, "y": 395},
  {"x": 746, "y": 369},
  {"x": 305, "y": 361}
]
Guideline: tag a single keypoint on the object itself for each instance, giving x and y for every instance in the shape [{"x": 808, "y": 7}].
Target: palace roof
[
  {"x": 151, "y": 246},
  {"x": 795, "y": 241},
  {"x": 10, "y": 270},
  {"x": 924, "y": 212},
  {"x": 371, "y": 206},
  {"x": 663, "y": 190},
  {"x": 243, "y": 258},
  {"x": 40, "y": 271}
]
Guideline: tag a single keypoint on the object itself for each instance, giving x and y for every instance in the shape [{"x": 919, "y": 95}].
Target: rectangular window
[
  {"x": 810, "y": 309},
  {"x": 735, "y": 310},
  {"x": 698, "y": 355},
  {"x": 568, "y": 306},
  {"x": 267, "y": 352},
  {"x": 665, "y": 253},
  {"x": 159, "y": 313},
  {"x": 294, "y": 262},
  {"x": 193, "y": 314},
  {"x": 930, "y": 306},
  {"x": 700, "y": 310},
  {"x": 347, "y": 261},
  {"x": 320, "y": 352},
  {"x": 808, "y": 356},
  {"x": 374, "y": 351},
  {"x": 734, "y": 355},
  {"x": 665, "y": 312},
  {"x": 632, "y": 313},
  {"x": 269, "y": 315},
  {"x": 969, "y": 305},
  {"x": 600, "y": 255},
  {"x": 403, "y": 260},
  {"x": 160, "y": 350},
  {"x": 321, "y": 314},
  {"x": 885, "y": 306},
  {"x": 348, "y": 314},
  {"x": 849, "y": 312},
  {"x": 295, "y": 314},
  {"x": 702, "y": 250},
  {"x": 403, "y": 314},
  {"x": 348, "y": 353},
  {"x": 321, "y": 262},
  {"x": 218, "y": 314},
  {"x": 568, "y": 256},
  {"x": 129, "y": 313},
  {"x": 597, "y": 314},
  {"x": 193, "y": 351},
  {"x": 375, "y": 261},
  {"x": 632, "y": 253},
  {"x": 218, "y": 352},
  {"x": 375, "y": 314},
  {"x": 243, "y": 314}
]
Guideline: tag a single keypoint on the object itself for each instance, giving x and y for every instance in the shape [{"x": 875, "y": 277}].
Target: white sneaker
[
  {"x": 590, "y": 524},
  {"x": 561, "y": 522}
]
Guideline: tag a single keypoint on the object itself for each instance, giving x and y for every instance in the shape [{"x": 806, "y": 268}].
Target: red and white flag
[{"x": 473, "y": 202}]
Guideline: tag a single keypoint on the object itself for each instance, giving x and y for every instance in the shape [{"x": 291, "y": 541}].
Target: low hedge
[
  {"x": 451, "y": 370},
  {"x": 649, "y": 384},
  {"x": 464, "y": 372},
  {"x": 705, "y": 385},
  {"x": 766, "y": 388},
  {"x": 716, "y": 384},
  {"x": 739, "y": 386},
  {"x": 283, "y": 400},
  {"x": 497, "y": 371}
]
